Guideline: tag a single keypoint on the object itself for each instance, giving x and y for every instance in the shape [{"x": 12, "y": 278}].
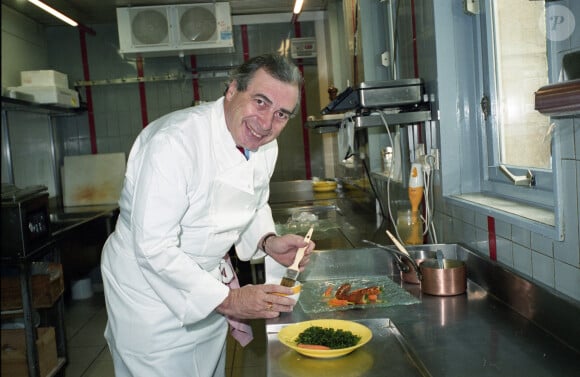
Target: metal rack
[
  {"x": 48, "y": 251},
  {"x": 373, "y": 119},
  {"x": 14, "y": 104},
  {"x": 24, "y": 271}
]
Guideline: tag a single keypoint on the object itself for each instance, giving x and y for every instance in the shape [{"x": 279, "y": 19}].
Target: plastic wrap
[
  {"x": 300, "y": 223},
  {"x": 312, "y": 299}
]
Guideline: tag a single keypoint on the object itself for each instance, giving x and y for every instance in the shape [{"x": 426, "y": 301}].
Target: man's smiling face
[{"x": 258, "y": 115}]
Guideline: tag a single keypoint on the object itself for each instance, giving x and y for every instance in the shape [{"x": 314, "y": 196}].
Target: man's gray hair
[{"x": 278, "y": 66}]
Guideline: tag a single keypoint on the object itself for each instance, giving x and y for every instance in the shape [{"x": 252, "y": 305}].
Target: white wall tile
[
  {"x": 568, "y": 251},
  {"x": 521, "y": 236},
  {"x": 468, "y": 235},
  {"x": 522, "y": 259},
  {"x": 481, "y": 221},
  {"x": 542, "y": 245},
  {"x": 505, "y": 254},
  {"x": 482, "y": 240},
  {"x": 503, "y": 229},
  {"x": 543, "y": 269},
  {"x": 567, "y": 279},
  {"x": 576, "y": 125},
  {"x": 468, "y": 215}
]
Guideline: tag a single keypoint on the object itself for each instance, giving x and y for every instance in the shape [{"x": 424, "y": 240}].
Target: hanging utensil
[{"x": 398, "y": 244}]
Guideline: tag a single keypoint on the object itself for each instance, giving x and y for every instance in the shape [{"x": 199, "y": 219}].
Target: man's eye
[
  {"x": 282, "y": 115},
  {"x": 260, "y": 102}
]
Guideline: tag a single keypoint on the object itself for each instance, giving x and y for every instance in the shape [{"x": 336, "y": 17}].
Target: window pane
[{"x": 522, "y": 68}]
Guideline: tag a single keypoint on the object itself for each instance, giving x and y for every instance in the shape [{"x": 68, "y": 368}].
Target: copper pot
[
  {"x": 450, "y": 280},
  {"x": 409, "y": 275}
]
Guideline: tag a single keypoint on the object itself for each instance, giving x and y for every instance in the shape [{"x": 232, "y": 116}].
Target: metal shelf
[
  {"x": 14, "y": 104},
  {"x": 371, "y": 120}
]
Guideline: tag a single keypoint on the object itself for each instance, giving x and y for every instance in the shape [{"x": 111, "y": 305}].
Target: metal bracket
[
  {"x": 485, "y": 107},
  {"x": 519, "y": 180},
  {"x": 471, "y": 7}
]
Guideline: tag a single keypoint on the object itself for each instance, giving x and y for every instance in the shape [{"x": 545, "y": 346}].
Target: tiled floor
[{"x": 89, "y": 356}]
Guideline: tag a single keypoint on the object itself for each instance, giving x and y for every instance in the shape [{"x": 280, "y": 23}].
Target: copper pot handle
[{"x": 398, "y": 255}]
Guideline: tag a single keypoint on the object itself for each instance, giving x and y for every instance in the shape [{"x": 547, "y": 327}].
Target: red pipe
[
  {"x": 245, "y": 42},
  {"x": 86, "y": 29},
  {"x": 88, "y": 92},
  {"x": 195, "y": 81},
  {"x": 142, "y": 94},
  {"x": 492, "y": 238},
  {"x": 303, "y": 112}
]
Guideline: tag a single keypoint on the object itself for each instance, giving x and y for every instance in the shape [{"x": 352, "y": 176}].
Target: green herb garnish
[{"x": 332, "y": 338}]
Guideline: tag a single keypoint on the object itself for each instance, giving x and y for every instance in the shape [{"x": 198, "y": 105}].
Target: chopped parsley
[{"x": 332, "y": 338}]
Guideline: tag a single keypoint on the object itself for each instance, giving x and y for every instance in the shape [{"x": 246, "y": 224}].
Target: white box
[
  {"x": 51, "y": 95},
  {"x": 44, "y": 78}
]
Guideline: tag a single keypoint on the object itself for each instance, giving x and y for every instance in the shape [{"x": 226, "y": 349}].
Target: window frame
[
  {"x": 468, "y": 181},
  {"x": 493, "y": 180}
]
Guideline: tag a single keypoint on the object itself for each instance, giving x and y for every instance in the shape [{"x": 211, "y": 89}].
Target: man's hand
[
  {"x": 257, "y": 301},
  {"x": 283, "y": 249}
]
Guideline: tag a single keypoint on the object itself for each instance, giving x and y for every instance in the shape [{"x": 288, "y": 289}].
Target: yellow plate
[
  {"x": 324, "y": 186},
  {"x": 288, "y": 335}
]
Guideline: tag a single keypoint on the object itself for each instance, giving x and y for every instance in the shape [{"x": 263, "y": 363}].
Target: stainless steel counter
[
  {"x": 79, "y": 233},
  {"x": 64, "y": 219},
  {"x": 470, "y": 334},
  {"x": 503, "y": 325}
]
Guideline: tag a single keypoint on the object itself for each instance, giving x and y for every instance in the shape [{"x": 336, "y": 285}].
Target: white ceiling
[{"x": 90, "y": 12}]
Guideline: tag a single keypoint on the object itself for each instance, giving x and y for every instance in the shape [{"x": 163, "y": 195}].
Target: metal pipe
[{"x": 6, "y": 151}]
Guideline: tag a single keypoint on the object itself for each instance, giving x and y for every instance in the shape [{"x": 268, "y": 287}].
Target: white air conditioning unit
[{"x": 202, "y": 28}]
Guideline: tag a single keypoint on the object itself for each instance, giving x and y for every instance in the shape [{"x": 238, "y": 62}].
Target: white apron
[{"x": 188, "y": 196}]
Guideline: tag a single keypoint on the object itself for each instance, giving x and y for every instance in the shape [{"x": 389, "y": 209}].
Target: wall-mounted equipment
[
  {"x": 202, "y": 28},
  {"x": 303, "y": 48},
  {"x": 378, "y": 95}
]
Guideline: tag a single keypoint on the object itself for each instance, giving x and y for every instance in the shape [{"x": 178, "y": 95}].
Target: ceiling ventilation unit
[{"x": 192, "y": 29}]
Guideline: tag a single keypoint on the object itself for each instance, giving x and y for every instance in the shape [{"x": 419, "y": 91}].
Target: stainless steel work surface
[
  {"x": 504, "y": 325},
  {"x": 472, "y": 334},
  {"x": 324, "y": 216},
  {"x": 387, "y": 351},
  {"x": 344, "y": 217}
]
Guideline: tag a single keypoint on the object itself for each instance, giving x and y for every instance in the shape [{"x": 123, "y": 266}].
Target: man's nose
[{"x": 267, "y": 120}]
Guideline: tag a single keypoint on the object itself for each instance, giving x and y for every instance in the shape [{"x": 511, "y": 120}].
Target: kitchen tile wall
[
  {"x": 31, "y": 150},
  {"x": 553, "y": 263},
  {"x": 533, "y": 255},
  {"x": 117, "y": 107}
]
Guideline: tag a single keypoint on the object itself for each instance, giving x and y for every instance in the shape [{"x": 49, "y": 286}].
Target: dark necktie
[{"x": 242, "y": 151}]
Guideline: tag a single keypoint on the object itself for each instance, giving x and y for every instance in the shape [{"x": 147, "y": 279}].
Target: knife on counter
[{"x": 292, "y": 271}]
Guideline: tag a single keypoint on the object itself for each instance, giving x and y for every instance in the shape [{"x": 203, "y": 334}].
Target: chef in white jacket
[{"x": 197, "y": 182}]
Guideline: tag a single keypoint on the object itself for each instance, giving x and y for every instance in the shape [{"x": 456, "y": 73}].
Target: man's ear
[{"x": 231, "y": 90}]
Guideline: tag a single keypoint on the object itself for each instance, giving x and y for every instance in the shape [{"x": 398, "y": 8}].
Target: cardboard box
[
  {"x": 44, "y": 78},
  {"x": 51, "y": 95},
  {"x": 46, "y": 282},
  {"x": 14, "y": 359}
]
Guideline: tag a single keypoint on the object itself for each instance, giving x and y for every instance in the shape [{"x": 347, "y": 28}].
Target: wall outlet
[
  {"x": 385, "y": 59},
  {"x": 435, "y": 153}
]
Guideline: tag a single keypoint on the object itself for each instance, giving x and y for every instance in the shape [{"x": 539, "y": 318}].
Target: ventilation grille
[{"x": 175, "y": 29}]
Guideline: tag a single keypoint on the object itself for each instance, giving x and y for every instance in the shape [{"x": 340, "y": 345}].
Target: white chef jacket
[{"x": 188, "y": 196}]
